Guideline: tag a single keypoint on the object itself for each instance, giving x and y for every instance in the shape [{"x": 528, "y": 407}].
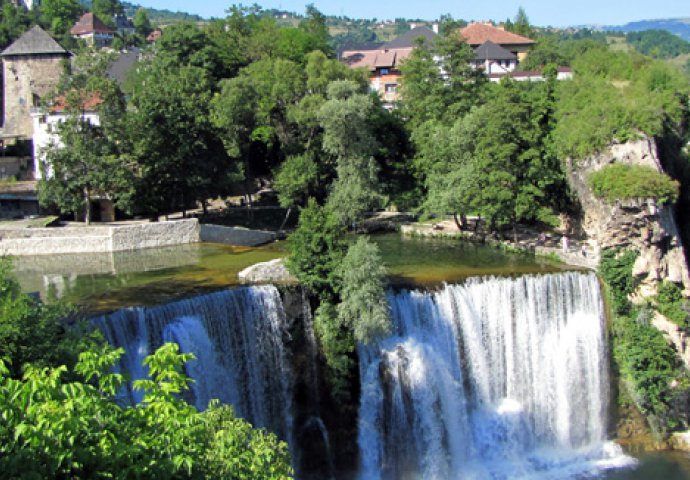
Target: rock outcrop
[
  {"x": 273, "y": 271},
  {"x": 640, "y": 224}
]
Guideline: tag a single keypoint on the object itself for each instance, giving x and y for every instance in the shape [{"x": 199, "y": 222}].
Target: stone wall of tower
[{"x": 27, "y": 80}]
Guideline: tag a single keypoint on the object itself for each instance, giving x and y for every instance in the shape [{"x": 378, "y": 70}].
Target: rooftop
[
  {"x": 35, "y": 41},
  {"x": 88, "y": 105},
  {"x": 490, "y": 51},
  {"x": 388, "y": 55},
  {"x": 478, "y": 33},
  {"x": 409, "y": 38},
  {"x": 90, "y": 23}
]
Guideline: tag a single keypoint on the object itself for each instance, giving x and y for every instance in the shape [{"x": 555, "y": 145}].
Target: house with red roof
[
  {"x": 478, "y": 33},
  {"x": 92, "y": 29},
  {"x": 382, "y": 61}
]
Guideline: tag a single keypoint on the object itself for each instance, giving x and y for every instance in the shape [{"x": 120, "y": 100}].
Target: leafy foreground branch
[{"x": 52, "y": 428}]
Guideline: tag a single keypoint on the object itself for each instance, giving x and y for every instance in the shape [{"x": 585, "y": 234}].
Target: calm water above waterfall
[{"x": 103, "y": 282}]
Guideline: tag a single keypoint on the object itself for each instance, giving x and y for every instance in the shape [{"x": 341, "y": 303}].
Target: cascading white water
[
  {"x": 492, "y": 379},
  {"x": 238, "y": 338}
]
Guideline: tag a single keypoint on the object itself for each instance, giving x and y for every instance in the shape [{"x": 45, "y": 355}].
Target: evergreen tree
[{"x": 521, "y": 24}]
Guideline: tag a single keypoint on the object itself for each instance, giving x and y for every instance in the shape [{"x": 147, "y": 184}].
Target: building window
[
  {"x": 383, "y": 71},
  {"x": 391, "y": 87}
]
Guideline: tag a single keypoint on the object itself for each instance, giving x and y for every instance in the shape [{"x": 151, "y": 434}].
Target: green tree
[
  {"x": 355, "y": 190},
  {"x": 80, "y": 169},
  {"x": 294, "y": 180},
  {"x": 106, "y": 9},
  {"x": 187, "y": 45},
  {"x": 86, "y": 163},
  {"x": 497, "y": 160},
  {"x": 54, "y": 428},
  {"x": 521, "y": 24},
  {"x": 60, "y": 15},
  {"x": 346, "y": 119},
  {"x": 142, "y": 24},
  {"x": 314, "y": 23},
  {"x": 180, "y": 158},
  {"x": 14, "y": 21},
  {"x": 317, "y": 247},
  {"x": 364, "y": 307}
]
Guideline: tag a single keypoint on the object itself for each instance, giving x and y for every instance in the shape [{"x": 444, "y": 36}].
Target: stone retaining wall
[
  {"x": 235, "y": 235},
  {"x": 114, "y": 238}
]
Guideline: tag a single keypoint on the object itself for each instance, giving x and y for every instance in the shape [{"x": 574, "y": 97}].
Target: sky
[{"x": 540, "y": 12}]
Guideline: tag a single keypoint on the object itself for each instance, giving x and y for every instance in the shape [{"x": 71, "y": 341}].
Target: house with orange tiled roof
[
  {"x": 92, "y": 29},
  {"x": 478, "y": 33},
  {"x": 383, "y": 61}
]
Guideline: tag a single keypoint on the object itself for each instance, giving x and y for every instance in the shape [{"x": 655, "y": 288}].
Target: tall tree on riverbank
[
  {"x": 86, "y": 161},
  {"x": 180, "y": 159}
]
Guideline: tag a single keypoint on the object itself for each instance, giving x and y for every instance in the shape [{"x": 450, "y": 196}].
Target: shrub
[
  {"x": 615, "y": 267},
  {"x": 651, "y": 368},
  {"x": 625, "y": 182},
  {"x": 671, "y": 304}
]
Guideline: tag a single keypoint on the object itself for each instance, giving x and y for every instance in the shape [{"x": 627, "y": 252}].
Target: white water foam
[{"x": 493, "y": 379}]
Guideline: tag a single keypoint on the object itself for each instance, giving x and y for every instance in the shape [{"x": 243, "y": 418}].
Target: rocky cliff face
[{"x": 641, "y": 224}]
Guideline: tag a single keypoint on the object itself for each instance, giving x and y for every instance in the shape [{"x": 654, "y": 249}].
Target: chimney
[{"x": 434, "y": 27}]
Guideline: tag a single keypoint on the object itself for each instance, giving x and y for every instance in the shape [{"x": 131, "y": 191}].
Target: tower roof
[{"x": 34, "y": 42}]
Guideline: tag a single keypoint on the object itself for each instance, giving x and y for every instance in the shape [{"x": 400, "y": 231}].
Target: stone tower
[{"x": 31, "y": 69}]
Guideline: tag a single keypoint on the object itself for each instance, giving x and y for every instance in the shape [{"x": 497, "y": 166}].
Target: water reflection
[
  {"x": 108, "y": 281},
  {"x": 656, "y": 466}
]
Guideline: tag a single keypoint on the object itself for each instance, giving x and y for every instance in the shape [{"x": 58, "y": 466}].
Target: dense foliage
[
  {"x": 348, "y": 283},
  {"x": 672, "y": 304},
  {"x": 624, "y": 182},
  {"x": 32, "y": 332},
  {"x": 615, "y": 268},
  {"x": 53, "y": 428},
  {"x": 652, "y": 370},
  {"x": 649, "y": 366},
  {"x": 364, "y": 307},
  {"x": 317, "y": 247},
  {"x": 61, "y": 417},
  {"x": 616, "y": 96},
  {"x": 658, "y": 43}
]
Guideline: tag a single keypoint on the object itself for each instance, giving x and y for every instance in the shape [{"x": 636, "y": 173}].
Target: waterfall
[
  {"x": 497, "y": 378},
  {"x": 238, "y": 338}
]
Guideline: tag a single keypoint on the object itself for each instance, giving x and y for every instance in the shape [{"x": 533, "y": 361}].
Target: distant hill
[
  {"x": 157, "y": 16},
  {"x": 677, "y": 26}
]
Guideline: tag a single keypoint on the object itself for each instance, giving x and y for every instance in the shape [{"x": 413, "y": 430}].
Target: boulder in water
[{"x": 273, "y": 271}]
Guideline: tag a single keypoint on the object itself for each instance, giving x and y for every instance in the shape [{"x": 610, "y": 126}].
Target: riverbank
[
  {"x": 577, "y": 252},
  {"x": 77, "y": 238}
]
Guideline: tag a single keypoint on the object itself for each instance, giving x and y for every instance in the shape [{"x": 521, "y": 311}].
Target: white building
[{"x": 46, "y": 127}]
